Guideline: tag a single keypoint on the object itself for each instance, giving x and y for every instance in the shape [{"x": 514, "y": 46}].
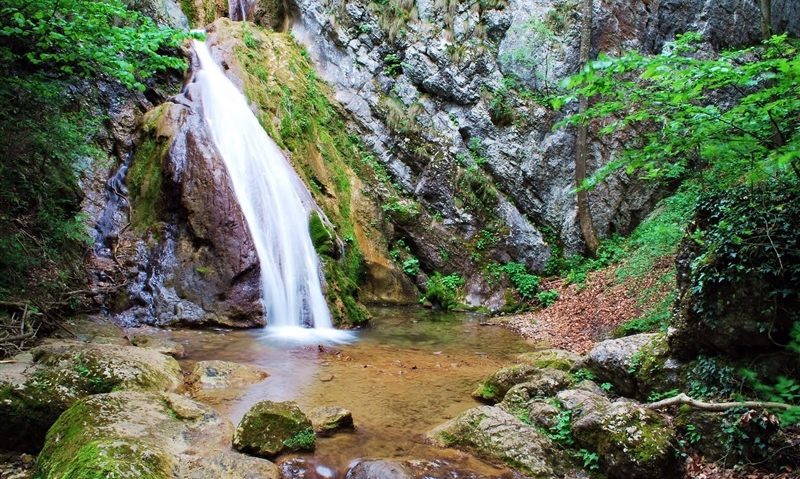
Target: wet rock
[
  {"x": 378, "y": 469},
  {"x": 215, "y": 381},
  {"x": 270, "y": 428},
  {"x": 581, "y": 401},
  {"x": 542, "y": 414},
  {"x": 40, "y": 385},
  {"x": 158, "y": 343},
  {"x": 145, "y": 435},
  {"x": 329, "y": 419},
  {"x": 492, "y": 433},
  {"x": 614, "y": 361},
  {"x": 632, "y": 442},
  {"x": 540, "y": 382},
  {"x": 551, "y": 358},
  {"x": 163, "y": 12}
]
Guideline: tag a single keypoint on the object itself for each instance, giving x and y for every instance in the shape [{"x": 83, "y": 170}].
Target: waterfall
[{"x": 275, "y": 204}]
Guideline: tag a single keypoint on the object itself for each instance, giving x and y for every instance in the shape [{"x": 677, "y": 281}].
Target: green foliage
[
  {"x": 501, "y": 109},
  {"x": 591, "y": 460},
  {"x": 583, "y": 374},
  {"x": 710, "y": 378},
  {"x": 302, "y": 441},
  {"x": 443, "y": 292},
  {"x": 672, "y": 102},
  {"x": 547, "y": 298},
  {"x": 322, "y": 239},
  {"x": 411, "y": 266},
  {"x": 526, "y": 284},
  {"x": 86, "y": 38},
  {"x": 658, "y": 396},
  {"x": 46, "y": 142},
  {"x": 560, "y": 432},
  {"x": 394, "y": 66},
  {"x": 536, "y": 52},
  {"x": 401, "y": 210}
]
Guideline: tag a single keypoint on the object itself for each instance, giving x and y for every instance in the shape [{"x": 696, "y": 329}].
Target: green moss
[
  {"x": 144, "y": 184},
  {"x": 112, "y": 459},
  {"x": 190, "y": 11},
  {"x": 487, "y": 391},
  {"x": 302, "y": 441},
  {"x": 320, "y": 236}
]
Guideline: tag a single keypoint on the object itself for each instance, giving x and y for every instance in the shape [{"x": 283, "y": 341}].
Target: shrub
[{"x": 443, "y": 291}]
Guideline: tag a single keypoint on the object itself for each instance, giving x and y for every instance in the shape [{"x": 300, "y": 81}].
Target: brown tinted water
[{"x": 410, "y": 371}]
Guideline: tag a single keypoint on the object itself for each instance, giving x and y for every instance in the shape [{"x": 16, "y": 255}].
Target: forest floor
[{"x": 589, "y": 312}]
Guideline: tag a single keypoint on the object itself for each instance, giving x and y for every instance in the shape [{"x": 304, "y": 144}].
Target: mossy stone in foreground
[{"x": 270, "y": 428}]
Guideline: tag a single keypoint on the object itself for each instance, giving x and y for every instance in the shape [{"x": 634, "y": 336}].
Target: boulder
[
  {"x": 517, "y": 399},
  {"x": 551, "y": 358},
  {"x": 494, "y": 434},
  {"x": 41, "y": 384},
  {"x": 632, "y": 442},
  {"x": 222, "y": 380},
  {"x": 145, "y": 435},
  {"x": 615, "y": 361},
  {"x": 542, "y": 382},
  {"x": 329, "y": 419},
  {"x": 270, "y": 428},
  {"x": 378, "y": 469}
]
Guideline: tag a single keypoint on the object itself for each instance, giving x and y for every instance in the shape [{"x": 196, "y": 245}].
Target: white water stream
[{"x": 276, "y": 206}]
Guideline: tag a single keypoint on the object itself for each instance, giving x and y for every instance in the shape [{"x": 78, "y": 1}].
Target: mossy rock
[
  {"x": 498, "y": 436},
  {"x": 270, "y": 428},
  {"x": 632, "y": 442},
  {"x": 59, "y": 373},
  {"x": 494, "y": 388},
  {"x": 131, "y": 434},
  {"x": 551, "y": 358}
]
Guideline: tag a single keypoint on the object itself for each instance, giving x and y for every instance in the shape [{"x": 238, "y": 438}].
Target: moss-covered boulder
[
  {"x": 329, "y": 419},
  {"x": 496, "y": 435},
  {"x": 541, "y": 382},
  {"x": 632, "y": 442},
  {"x": 615, "y": 361},
  {"x": 146, "y": 436},
  {"x": 551, "y": 358},
  {"x": 40, "y": 385},
  {"x": 270, "y": 428}
]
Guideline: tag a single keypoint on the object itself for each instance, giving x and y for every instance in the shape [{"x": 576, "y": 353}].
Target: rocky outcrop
[
  {"x": 148, "y": 436},
  {"x": 163, "y": 12},
  {"x": 616, "y": 361},
  {"x": 41, "y": 384},
  {"x": 493, "y": 433},
  {"x": 270, "y": 428}
]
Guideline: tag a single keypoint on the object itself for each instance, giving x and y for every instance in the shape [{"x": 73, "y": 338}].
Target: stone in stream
[
  {"x": 145, "y": 436},
  {"x": 329, "y": 419},
  {"x": 216, "y": 381},
  {"x": 270, "y": 428},
  {"x": 378, "y": 469},
  {"x": 39, "y": 385},
  {"x": 492, "y": 433},
  {"x": 542, "y": 382}
]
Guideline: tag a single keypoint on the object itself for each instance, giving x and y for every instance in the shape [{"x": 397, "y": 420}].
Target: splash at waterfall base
[{"x": 197, "y": 263}]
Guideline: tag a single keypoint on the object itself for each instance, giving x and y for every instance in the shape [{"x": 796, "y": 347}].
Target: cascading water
[{"x": 275, "y": 204}]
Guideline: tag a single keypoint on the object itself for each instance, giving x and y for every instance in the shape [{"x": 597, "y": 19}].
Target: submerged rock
[
  {"x": 270, "y": 428},
  {"x": 214, "y": 381},
  {"x": 378, "y": 469},
  {"x": 40, "y": 385},
  {"x": 146, "y": 436},
  {"x": 158, "y": 343},
  {"x": 492, "y": 433},
  {"x": 329, "y": 419},
  {"x": 541, "y": 382}
]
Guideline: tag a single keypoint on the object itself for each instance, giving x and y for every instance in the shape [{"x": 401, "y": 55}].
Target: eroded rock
[
  {"x": 329, "y": 419},
  {"x": 378, "y": 469},
  {"x": 614, "y": 361},
  {"x": 551, "y": 358},
  {"x": 541, "y": 382}
]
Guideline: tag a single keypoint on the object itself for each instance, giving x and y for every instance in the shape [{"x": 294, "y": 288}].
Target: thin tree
[
  {"x": 766, "y": 18},
  {"x": 582, "y": 143}
]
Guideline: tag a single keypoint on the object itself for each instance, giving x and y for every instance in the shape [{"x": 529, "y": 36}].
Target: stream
[{"x": 412, "y": 370}]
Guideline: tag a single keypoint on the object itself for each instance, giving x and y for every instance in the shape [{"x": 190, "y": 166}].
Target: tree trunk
[
  {"x": 582, "y": 143},
  {"x": 766, "y": 18}
]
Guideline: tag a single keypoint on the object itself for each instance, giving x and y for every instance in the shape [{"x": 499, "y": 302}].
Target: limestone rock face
[
  {"x": 495, "y": 434},
  {"x": 613, "y": 361},
  {"x": 270, "y": 428},
  {"x": 148, "y": 436},
  {"x": 41, "y": 384},
  {"x": 163, "y": 12}
]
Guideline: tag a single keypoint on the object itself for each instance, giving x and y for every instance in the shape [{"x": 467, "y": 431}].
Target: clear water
[
  {"x": 275, "y": 204},
  {"x": 412, "y": 370}
]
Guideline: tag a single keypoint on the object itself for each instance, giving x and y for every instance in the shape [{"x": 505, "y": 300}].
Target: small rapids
[{"x": 276, "y": 206}]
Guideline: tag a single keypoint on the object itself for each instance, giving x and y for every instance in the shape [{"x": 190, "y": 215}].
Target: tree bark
[
  {"x": 682, "y": 399},
  {"x": 766, "y": 18},
  {"x": 581, "y": 142}
]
